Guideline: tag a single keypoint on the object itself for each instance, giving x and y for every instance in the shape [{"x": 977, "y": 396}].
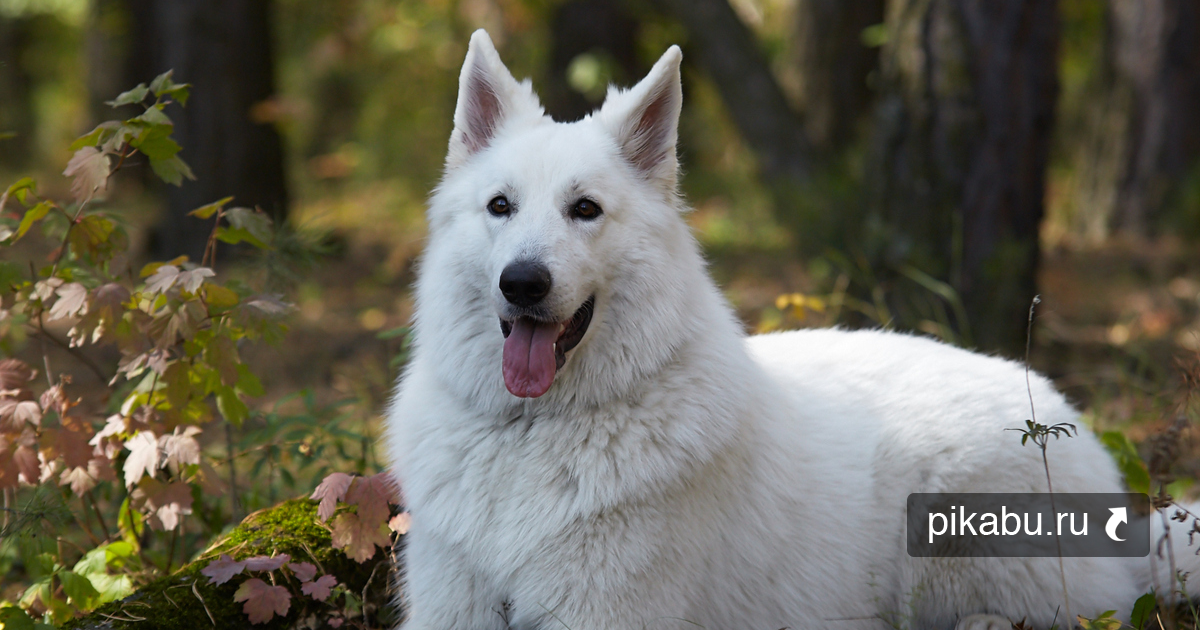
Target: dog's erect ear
[
  {"x": 488, "y": 96},
  {"x": 645, "y": 120}
]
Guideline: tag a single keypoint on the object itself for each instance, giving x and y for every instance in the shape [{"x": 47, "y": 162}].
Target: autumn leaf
[
  {"x": 358, "y": 538},
  {"x": 263, "y": 601},
  {"x": 222, "y": 570},
  {"x": 400, "y": 523},
  {"x": 143, "y": 457},
  {"x": 15, "y": 375},
  {"x": 372, "y": 496},
  {"x": 181, "y": 447},
  {"x": 166, "y": 501},
  {"x": 305, "y": 571},
  {"x": 162, "y": 279},
  {"x": 72, "y": 298},
  {"x": 17, "y": 414},
  {"x": 331, "y": 490},
  {"x": 90, "y": 168},
  {"x": 319, "y": 590},
  {"x": 27, "y": 463},
  {"x": 267, "y": 563},
  {"x": 191, "y": 280}
]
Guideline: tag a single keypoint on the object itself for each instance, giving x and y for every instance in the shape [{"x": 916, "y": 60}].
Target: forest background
[{"x": 923, "y": 165}]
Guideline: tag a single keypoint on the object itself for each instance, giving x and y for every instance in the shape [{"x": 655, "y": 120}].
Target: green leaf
[
  {"x": 164, "y": 85},
  {"x": 91, "y": 235},
  {"x": 23, "y": 186},
  {"x": 78, "y": 588},
  {"x": 219, "y": 298},
  {"x": 1142, "y": 609},
  {"x": 172, "y": 171},
  {"x": 136, "y": 95},
  {"x": 11, "y": 275},
  {"x": 1137, "y": 478},
  {"x": 95, "y": 137},
  {"x": 231, "y": 407},
  {"x": 33, "y": 215},
  {"x": 206, "y": 211},
  {"x": 248, "y": 383},
  {"x": 156, "y": 143},
  {"x": 13, "y": 618},
  {"x": 155, "y": 117},
  {"x": 247, "y": 225},
  {"x": 129, "y": 521}
]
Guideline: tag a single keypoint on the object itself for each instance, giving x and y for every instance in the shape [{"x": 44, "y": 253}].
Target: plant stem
[{"x": 99, "y": 516}]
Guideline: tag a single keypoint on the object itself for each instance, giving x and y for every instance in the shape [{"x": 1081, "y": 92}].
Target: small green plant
[{"x": 1040, "y": 435}]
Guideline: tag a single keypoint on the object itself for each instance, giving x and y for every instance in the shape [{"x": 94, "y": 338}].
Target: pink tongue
[{"x": 529, "y": 357}]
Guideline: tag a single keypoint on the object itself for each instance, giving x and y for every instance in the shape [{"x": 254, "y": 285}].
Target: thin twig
[
  {"x": 1062, "y": 572},
  {"x": 42, "y": 333},
  {"x": 100, "y": 517},
  {"x": 196, "y": 592}
]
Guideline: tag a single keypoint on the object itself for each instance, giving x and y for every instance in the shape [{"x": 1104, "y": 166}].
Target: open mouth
[{"x": 534, "y": 350}]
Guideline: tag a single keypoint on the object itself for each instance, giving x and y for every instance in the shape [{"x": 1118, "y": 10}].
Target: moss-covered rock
[{"x": 186, "y": 601}]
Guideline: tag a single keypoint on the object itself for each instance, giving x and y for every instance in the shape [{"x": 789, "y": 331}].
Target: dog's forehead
[{"x": 553, "y": 152}]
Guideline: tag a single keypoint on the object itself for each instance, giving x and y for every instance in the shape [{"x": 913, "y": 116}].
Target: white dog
[{"x": 587, "y": 439}]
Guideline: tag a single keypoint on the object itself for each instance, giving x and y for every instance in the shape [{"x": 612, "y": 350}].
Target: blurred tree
[
  {"x": 596, "y": 41},
  {"x": 16, "y": 106},
  {"x": 960, "y": 147},
  {"x": 1144, "y": 135},
  {"x": 224, "y": 49},
  {"x": 834, "y": 63},
  {"x": 729, "y": 52}
]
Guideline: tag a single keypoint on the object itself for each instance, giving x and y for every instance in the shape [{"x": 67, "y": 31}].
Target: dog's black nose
[{"x": 525, "y": 282}]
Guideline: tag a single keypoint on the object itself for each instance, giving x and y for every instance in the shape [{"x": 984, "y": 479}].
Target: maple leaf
[
  {"x": 16, "y": 414},
  {"x": 15, "y": 375},
  {"x": 191, "y": 280},
  {"x": 331, "y": 490},
  {"x": 28, "y": 466},
  {"x": 358, "y": 538},
  {"x": 108, "y": 440},
  {"x": 143, "y": 457},
  {"x": 162, "y": 279},
  {"x": 222, "y": 569},
  {"x": 305, "y": 571},
  {"x": 79, "y": 480},
  {"x": 71, "y": 446},
  {"x": 319, "y": 590},
  {"x": 72, "y": 299},
  {"x": 400, "y": 523},
  {"x": 372, "y": 496},
  {"x": 263, "y": 601},
  {"x": 167, "y": 501},
  {"x": 104, "y": 310},
  {"x": 267, "y": 563},
  {"x": 90, "y": 168},
  {"x": 181, "y": 447}
]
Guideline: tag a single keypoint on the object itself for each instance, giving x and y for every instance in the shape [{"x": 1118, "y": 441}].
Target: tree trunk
[
  {"x": 728, "y": 51},
  {"x": 223, "y": 48},
  {"x": 16, "y": 106},
  {"x": 597, "y": 27},
  {"x": 961, "y": 142},
  {"x": 834, "y": 64},
  {"x": 1143, "y": 134}
]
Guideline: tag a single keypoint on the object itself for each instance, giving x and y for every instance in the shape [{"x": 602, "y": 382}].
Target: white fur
[{"x": 677, "y": 472}]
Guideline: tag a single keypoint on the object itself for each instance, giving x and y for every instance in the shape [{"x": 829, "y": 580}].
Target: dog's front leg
[{"x": 441, "y": 592}]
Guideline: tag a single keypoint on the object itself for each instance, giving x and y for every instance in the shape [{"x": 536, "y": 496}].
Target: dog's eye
[
  {"x": 499, "y": 206},
  {"x": 586, "y": 209}
]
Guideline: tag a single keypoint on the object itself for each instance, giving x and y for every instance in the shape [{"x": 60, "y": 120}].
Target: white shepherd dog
[{"x": 588, "y": 440}]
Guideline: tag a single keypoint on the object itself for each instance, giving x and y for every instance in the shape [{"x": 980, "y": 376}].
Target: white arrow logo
[{"x": 1118, "y": 517}]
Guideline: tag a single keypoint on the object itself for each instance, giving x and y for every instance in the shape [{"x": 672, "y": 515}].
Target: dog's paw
[{"x": 983, "y": 622}]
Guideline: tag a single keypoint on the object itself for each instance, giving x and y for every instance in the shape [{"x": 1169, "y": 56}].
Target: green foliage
[{"x": 180, "y": 332}]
